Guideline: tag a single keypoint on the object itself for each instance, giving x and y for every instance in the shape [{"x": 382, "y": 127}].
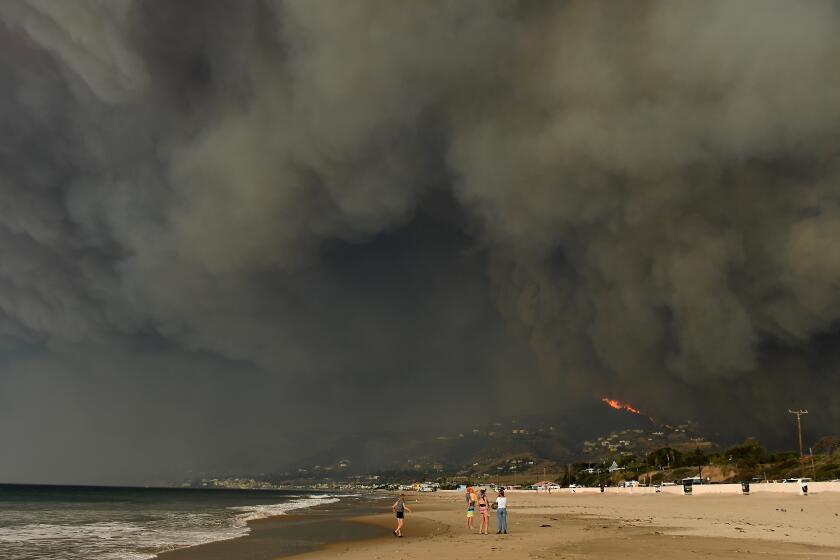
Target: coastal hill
[
  {"x": 585, "y": 446},
  {"x": 594, "y": 442},
  {"x": 504, "y": 447}
]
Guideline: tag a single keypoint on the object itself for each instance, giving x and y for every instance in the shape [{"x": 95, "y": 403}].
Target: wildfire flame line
[{"x": 620, "y": 405}]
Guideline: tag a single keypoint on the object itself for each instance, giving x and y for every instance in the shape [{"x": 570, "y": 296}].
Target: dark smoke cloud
[{"x": 225, "y": 221}]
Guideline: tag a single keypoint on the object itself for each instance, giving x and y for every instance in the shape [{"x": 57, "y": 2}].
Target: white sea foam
[
  {"x": 141, "y": 539},
  {"x": 108, "y": 540},
  {"x": 251, "y": 513}
]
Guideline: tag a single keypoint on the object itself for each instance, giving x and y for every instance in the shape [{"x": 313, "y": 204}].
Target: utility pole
[
  {"x": 697, "y": 441},
  {"x": 798, "y": 414}
]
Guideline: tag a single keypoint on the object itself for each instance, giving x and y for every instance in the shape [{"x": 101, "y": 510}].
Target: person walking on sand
[
  {"x": 400, "y": 508},
  {"x": 471, "y": 500},
  {"x": 484, "y": 510},
  {"x": 501, "y": 512}
]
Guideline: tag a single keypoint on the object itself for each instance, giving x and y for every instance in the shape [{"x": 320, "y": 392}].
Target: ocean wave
[
  {"x": 141, "y": 539},
  {"x": 250, "y": 513},
  {"x": 107, "y": 540}
]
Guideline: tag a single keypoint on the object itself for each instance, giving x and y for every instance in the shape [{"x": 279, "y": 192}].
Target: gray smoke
[{"x": 227, "y": 221}]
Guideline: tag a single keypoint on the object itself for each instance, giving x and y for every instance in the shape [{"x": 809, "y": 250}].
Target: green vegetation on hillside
[{"x": 747, "y": 461}]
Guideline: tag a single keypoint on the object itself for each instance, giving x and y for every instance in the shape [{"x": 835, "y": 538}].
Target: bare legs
[{"x": 485, "y": 524}]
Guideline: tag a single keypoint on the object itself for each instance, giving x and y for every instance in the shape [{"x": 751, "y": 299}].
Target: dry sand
[{"x": 577, "y": 526}]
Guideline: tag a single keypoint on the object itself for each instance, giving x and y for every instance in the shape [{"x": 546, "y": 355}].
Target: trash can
[
  {"x": 687, "y": 488},
  {"x": 745, "y": 487}
]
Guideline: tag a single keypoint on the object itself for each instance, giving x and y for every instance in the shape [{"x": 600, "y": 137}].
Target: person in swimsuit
[
  {"x": 471, "y": 500},
  {"x": 484, "y": 511},
  {"x": 400, "y": 508}
]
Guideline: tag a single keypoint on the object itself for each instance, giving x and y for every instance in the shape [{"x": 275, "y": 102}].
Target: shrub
[{"x": 748, "y": 454}]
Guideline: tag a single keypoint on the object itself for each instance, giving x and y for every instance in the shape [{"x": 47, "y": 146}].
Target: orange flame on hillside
[{"x": 620, "y": 405}]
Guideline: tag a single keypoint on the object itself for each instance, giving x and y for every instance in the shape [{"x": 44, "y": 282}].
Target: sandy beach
[
  {"x": 611, "y": 526},
  {"x": 584, "y": 525}
]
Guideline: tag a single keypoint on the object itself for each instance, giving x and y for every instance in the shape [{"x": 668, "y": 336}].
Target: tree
[
  {"x": 664, "y": 457},
  {"x": 695, "y": 458},
  {"x": 828, "y": 444},
  {"x": 748, "y": 454},
  {"x": 627, "y": 461}
]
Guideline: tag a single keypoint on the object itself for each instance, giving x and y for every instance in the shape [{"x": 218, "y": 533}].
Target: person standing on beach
[
  {"x": 501, "y": 512},
  {"x": 400, "y": 508},
  {"x": 471, "y": 500},
  {"x": 484, "y": 510}
]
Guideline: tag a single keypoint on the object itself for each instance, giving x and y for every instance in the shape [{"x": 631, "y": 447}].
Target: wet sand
[{"x": 294, "y": 533}]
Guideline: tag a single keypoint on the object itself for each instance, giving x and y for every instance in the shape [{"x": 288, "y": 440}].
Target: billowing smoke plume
[{"x": 225, "y": 219}]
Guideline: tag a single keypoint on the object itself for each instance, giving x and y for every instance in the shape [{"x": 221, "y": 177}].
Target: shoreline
[
  {"x": 574, "y": 526},
  {"x": 300, "y": 530}
]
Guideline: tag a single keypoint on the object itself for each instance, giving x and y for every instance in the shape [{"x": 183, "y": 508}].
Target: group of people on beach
[
  {"x": 473, "y": 499},
  {"x": 483, "y": 503}
]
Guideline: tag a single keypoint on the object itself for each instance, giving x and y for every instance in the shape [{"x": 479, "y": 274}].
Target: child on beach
[
  {"x": 471, "y": 499},
  {"x": 501, "y": 512},
  {"x": 400, "y": 508},
  {"x": 484, "y": 510}
]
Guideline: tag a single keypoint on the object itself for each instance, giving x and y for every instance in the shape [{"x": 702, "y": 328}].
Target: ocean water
[{"x": 92, "y": 523}]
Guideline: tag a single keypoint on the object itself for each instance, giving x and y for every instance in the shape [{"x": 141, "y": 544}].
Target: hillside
[{"x": 594, "y": 433}]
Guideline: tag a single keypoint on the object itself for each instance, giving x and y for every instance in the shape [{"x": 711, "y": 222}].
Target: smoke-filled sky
[{"x": 231, "y": 230}]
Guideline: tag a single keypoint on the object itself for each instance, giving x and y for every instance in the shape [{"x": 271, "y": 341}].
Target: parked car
[{"x": 694, "y": 480}]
